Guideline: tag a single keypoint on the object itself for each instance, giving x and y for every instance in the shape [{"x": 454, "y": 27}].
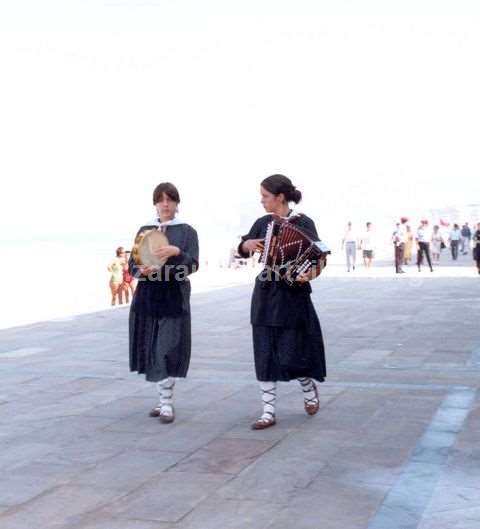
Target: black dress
[
  {"x": 287, "y": 338},
  {"x": 476, "y": 248},
  {"x": 159, "y": 322}
]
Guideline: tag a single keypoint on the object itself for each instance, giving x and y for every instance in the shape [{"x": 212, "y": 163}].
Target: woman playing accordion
[{"x": 287, "y": 338}]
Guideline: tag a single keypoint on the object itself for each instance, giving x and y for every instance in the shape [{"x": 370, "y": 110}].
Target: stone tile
[
  {"x": 128, "y": 470},
  {"x": 217, "y": 513},
  {"x": 122, "y": 407},
  {"x": 166, "y": 498},
  {"x": 20, "y": 489},
  {"x": 85, "y": 450},
  {"x": 456, "y": 497},
  {"x": 364, "y": 464},
  {"x": 180, "y": 437},
  {"x": 468, "y": 518},
  {"x": 62, "y": 430},
  {"x": 366, "y": 357},
  {"x": 22, "y": 352},
  {"x": 57, "y": 508},
  {"x": 18, "y": 454},
  {"x": 329, "y": 505},
  {"x": 105, "y": 522},
  {"x": 224, "y": 456},
  {"x": 284, "y": 469}
]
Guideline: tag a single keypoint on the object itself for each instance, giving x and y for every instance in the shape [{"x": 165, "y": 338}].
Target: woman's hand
[
  {"x": 303, "y": 278},
  {"x": 167, "y": 251},
  {"x": 314, "y": 272},
  {"x": 253, "y": 245},
  {"x": 147, "y": 270}
]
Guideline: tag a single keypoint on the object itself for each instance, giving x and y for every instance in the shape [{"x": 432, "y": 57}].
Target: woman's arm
[
  {"x": 252, "y": 241},
  {"x": 187, "y": 260}
]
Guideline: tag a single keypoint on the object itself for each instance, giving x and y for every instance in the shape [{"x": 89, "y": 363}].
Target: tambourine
[{"x": 146, "y": 243}]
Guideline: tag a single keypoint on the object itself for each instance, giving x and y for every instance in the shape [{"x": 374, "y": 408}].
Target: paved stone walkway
[{"x": 396, "y": 444}]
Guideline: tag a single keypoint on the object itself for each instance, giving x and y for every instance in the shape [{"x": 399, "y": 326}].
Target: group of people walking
[
  {"x": 352, "y": 241},
  {"x": 430, "y": 244},
  {"x": 286, "y": 332}
]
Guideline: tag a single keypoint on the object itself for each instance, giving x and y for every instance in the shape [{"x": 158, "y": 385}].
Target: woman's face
[
  {"x": 166, "y": 207},
  {"x": 270, "y": 201}
]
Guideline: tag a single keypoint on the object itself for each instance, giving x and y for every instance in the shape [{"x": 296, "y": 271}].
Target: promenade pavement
[{"x": 395, "y": 445}]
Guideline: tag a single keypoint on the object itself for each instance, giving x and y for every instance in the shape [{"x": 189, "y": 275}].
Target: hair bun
[{"x": 296, "y": 195}]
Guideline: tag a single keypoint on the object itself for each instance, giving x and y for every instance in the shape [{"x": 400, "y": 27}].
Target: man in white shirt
[
  {"x": 366, "y": 244},
  {"x": 423, "y": 245},
  {"x": 350, "y": 243}
]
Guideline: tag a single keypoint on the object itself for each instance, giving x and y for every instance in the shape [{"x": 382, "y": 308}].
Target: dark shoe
[
  {"x": 154, "y": 412},
  {"x": 261, "y": 424},
  {"x": 312, "y": 405}
]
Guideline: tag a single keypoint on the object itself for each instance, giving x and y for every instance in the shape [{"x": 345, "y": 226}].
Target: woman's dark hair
[
  {"x": 119, "y": 251},
  {"x": 168, "y": 189},
  {"x": 278, "y": 183}
]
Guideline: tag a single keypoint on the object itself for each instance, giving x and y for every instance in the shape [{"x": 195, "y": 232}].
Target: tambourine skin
[{"x": 145, "y": 244}]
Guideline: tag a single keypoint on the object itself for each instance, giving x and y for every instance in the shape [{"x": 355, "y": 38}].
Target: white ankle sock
[
  {"x": 307, "y": 388},
  {"x": 165, "y": 392},
  {"x": 269, "y": 398}
]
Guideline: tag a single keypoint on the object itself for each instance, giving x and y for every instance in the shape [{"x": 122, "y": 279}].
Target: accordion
[{"x": 288, "y": 251}]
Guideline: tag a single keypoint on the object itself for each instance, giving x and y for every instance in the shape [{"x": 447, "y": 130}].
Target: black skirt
[
  {"x": 160, "y": 347},
  {"x": 287, "y": 354},
  {"x": 476, "y": 252}
]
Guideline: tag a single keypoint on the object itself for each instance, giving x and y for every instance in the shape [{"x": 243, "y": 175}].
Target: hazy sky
[{"x": 373, "y": 109}]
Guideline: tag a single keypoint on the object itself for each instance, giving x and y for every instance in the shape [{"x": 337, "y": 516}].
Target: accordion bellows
[{"x": 288, "y": 251}]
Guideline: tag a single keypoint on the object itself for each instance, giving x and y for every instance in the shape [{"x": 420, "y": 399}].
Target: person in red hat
[{"x": 423, "y": 245}]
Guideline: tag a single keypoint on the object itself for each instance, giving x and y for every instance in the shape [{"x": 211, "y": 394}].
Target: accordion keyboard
[{"x": 266, "y": 245}]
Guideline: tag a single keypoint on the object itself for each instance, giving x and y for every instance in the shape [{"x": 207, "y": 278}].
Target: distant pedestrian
[
  {"x": 398, "y": 239},
  {"x": 436, "y": 244},
  {"x": 454, "y": 238},
  {"x": 466, "y": 238},
  {"x": 116, "y": 268},
  {"x": 128, "y": 281},
  {"x": 367, "y": 245},
  {"x": 476, "y": 247},
  {"x": 408, "y": 250},
  {"x": 350, "y": 243},
  {"x": 423, "y": 245}
]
